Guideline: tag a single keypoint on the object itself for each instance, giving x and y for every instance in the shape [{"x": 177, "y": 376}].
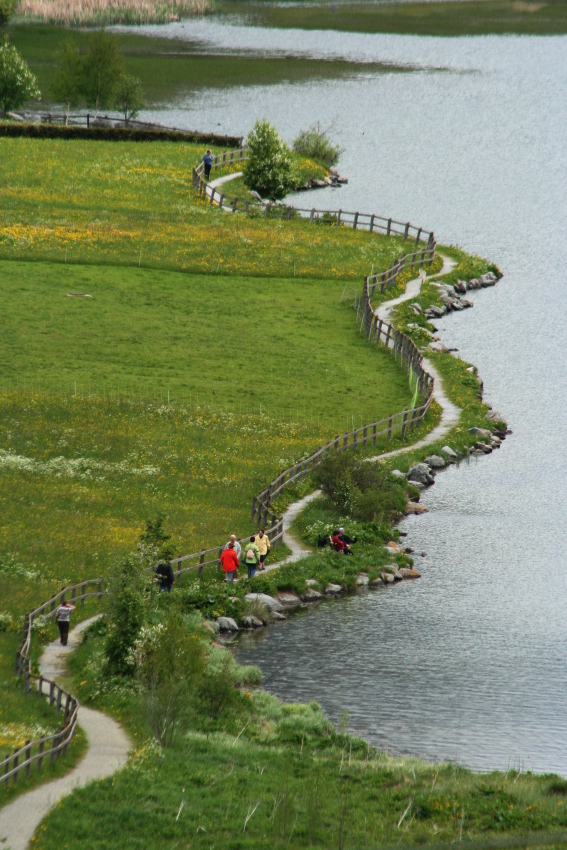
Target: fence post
[
  {"x": 40, "y": 759},
  {"x": 27, "y": 755},
  {"x": 389, "y": 228},
  {"x": 404, "y": 424},
  {"x": 372, "y": 223},
  {"x": 339, "y": 218},
  {"x": 59, "y": 696},
  {"x": 219, "y": 566},
  {"x": 100, "y": 589},
  {"x": 374, "y": 434},
  {"x": 212, "y": 196},
  {"x": 390, "y": 428},
  {"x": 51, "y": 692},
  {"x": 355, "y": 222},
  {"x": 67, "y": 704},
  {"x": 312, "y": 216},
  {"x": 235, "y": 201},
  {"x": 247, "y": 207},
  {"x": 288, "y": 214},
  {"x": 201, "y": 562},
  {"x": 53, "y": 751},
  {"x": 6, "y": 769},
  {"x": 417, "y": 237},
  {"x": 221, "y": 199},
  {"x": 364, "y": 439},
  {"x": 406, "y": 231}
]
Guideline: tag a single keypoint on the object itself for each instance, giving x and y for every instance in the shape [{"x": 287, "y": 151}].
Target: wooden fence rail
[{"x": 376, "y": 330}]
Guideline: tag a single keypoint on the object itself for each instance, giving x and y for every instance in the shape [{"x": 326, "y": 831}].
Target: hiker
[
  {"x": 262, "y": 541},
  {"x": 229, "y": 562},
  {"x": 252, "y": 556},
  {"x": 339, "y": 544},
  {"x": 235, "y": 545},
  {"x": 208, "y": 160},
  {"x": 62, "y": 616},
  {"x": 164, "y": 571}
]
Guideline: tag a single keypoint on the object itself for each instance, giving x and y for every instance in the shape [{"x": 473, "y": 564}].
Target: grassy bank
[
  {"x": 470, "y": 17},
  {"x": 172, "y": 69}
]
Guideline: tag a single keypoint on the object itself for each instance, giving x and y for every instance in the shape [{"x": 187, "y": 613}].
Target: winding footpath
[
  {"x": 108, "y": 749},
  {"x": 108, "y": 744}
]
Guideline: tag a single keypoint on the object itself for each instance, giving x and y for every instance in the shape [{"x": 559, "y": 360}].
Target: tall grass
[{"x": 100, "y": 12}]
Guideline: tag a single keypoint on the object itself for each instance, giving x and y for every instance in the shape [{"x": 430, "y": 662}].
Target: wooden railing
[{"x": 376, "y": 330}]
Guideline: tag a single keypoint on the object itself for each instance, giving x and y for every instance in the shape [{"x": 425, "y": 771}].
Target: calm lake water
[{"x": 469, "y": 663}]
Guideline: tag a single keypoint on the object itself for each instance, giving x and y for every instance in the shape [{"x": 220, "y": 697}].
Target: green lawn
[
  {"x": 132, "y": 203},
  {"x": 470, "y": 17}
]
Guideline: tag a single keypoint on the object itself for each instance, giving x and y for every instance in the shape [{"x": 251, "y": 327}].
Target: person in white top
[
  {"x": 62, "y": 616},
  {"x": 235, "y": 545}
]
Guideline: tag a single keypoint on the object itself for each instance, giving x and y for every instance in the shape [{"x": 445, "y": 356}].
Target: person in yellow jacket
[{"x": 263, "y": 543}]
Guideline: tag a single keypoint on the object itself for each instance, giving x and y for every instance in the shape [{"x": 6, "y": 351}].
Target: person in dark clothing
[
  {"x": 208, "y": 159},
  {"x": 348, "y": 541},
  {"x": 62, "y": 616},
  {"x": 164, "y": 571}
]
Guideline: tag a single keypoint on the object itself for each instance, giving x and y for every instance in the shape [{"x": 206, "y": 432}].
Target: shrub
[
  {"x": 217, "y": 698},
  {"x": 170, "y": 658},
  {"x": 129, "y": 96},
  {"x": 66, "y": 85},
  {"x": 100, "y": 69},
  {"x": 363, "y": 491},
  {"x": 6, "y": 623},
  {"x": 6, "y": 9},
  {"x": 17, "y": 83},
  {"x": 316, "y": 144},
  {"x": 268, "y": 170},
  {"x": 125, "y": 616}
]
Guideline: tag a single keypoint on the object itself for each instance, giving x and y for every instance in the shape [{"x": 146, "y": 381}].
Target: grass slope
[{"x": 469, "y": 17}]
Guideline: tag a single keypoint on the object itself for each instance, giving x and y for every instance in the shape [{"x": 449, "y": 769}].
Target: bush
[
  {"x": 129, "y": 96},
  {"x": 17, "y": 83},
  {"x": 361, "y": 490},
  {"x": 6, "y": 9},
  {"x": 268, "y": 170},
  {"x": 6, "y": 623},
  {"x": 125, "y": 618},
  {"x": 315, "y": 144}
]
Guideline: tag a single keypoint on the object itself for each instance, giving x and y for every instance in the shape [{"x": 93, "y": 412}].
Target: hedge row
[{"x": 115, "y": 134}]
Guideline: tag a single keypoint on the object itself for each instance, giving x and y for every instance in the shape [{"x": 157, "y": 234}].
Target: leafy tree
[
  {"x": 129, "y": 96},
  {"x": 67, "y": 83},
  {"x": 316, "y": 144},
  {"x": 17, "y": 83},
  {"x": 101, "y": 67},
  {"x": 6, "y": 9},
  {"x": 170, "y": 660},
  {"x": 125, "y": 616},
  {"x": 153, "y": 544},
  {"x": 269, "y": 169}
]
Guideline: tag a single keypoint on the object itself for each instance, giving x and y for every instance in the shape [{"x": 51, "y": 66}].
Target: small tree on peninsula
[
  {"x": 129, "y": 96},
  {"x": 268, "y": 170},
  {"x": 316, "y": 144},
  {"x": 67, "y": 84},
  {"x": 17, "y": 83},
  {"x": 6, "y": 9},
  {"x": 101, "y": 67}
]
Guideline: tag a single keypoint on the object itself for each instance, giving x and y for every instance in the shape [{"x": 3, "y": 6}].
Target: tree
[
  {"x": 170, "y": 660},
  {"x": 6, "y": 9},
  {"x": 66, "y": 86},
  {"x": 125, "y": 616},
  {"x": 316, "y": 144},
  {"x": 101, "y": 68},
  {"x": 268, "y": 170},
  {"x": 17, "y": 83},
  {"x": 129, "y": 96}
]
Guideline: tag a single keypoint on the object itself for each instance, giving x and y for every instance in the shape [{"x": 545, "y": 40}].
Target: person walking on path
[
  {"x": 208, "y": 160},
  {"x": 236, "y": 545},
  {"x": 262, "y": 541},
  {"x": 252, "y": 557},
  {"x": 164, "y": 571},
  {"x": 229, "y": 562},
  {"x": 62, "y": 616}
]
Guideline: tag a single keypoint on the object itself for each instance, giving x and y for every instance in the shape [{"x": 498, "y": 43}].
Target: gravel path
[{"x": 107, "y": 752}]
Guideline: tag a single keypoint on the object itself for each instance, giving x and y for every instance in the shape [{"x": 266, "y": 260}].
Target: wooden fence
[{"x": 376, "y": 330}]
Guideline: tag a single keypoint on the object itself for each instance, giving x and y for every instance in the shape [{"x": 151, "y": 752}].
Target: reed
[{"x": 84, "y": 12}]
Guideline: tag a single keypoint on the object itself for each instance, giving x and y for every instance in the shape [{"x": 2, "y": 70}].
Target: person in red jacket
[
  {"x": 229, "y": 562},
  {"x": 338, "y": 544}
]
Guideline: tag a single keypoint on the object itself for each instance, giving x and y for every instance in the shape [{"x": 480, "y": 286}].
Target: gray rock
[
  {"x": 275, "y": 616},
  {"x": 474, "y": 283},
  {"x": 362, "y": 580},
  {"x": 457, "y": 304},
  {"x": 488, "y": 279},
  {"x": 461, "y": 286},
  {"x": 212, "y": 627},
  {"x": 480, "y": 432},
  {"x": 269, "y": 601},
  {"x": 416, "y": 307},
  {"x": 251, "y": 622},
  {"x": 483, "y": 447},
  {"x": 311, "y": 595},
  {"x": 494, "y": 416},
  {"x": 311, "y": 582},
  {"x": 397, "y": 473},
  {"x": 448, "y": 302},
  {"x": 450, "y": 454},
  {"x": 407, "y": 572},
  {"x": 377, "y": 582},
  {"x": 447, "y": 289},
  {"x": 420, "y": 472},
  {"x": 395, "y": 572},
  {"x": 437, "y": 346},
  {"x": 333, "y": 590},
  {"x": 387, "y": 578},
  {"x": 227, "y": 624},
  {"x": 435, "y": 312},
  {"x": 435, "y": 462},
  {"x": 466, "y": 302},
  {"x": 286, "y": 597}
]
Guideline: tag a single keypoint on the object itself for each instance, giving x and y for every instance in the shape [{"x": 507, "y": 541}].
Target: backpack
[{"x": 250, "y": 554}]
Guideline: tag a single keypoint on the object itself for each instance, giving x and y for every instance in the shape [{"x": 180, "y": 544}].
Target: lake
[{"x": 468, "y": 663}]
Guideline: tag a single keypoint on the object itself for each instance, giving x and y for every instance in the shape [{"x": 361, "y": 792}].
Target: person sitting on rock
[
  {"x": 339, "y": 544},
  {"x": 348, "y": 541}
]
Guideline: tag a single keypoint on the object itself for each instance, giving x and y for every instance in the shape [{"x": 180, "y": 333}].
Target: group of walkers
[{"x": 255, "y": 553}]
